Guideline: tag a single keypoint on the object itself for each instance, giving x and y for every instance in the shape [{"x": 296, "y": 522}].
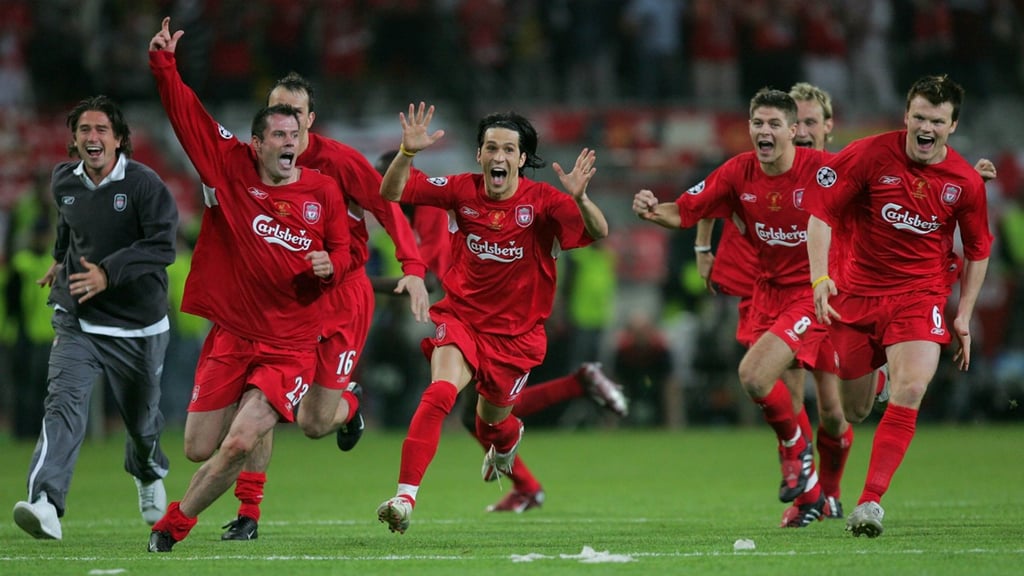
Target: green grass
[{"x": 673, "y": 502}]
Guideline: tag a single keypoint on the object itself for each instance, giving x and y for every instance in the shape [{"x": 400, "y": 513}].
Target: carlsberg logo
[
  {"x": 272, "y": 233},
  {"x": 780, "y": 237},
  {"x": 902, "y": 219},
  {"x": 485, "y": 250}
]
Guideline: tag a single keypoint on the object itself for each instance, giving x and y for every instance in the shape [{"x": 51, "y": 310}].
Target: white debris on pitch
[
  {"x": 586, "y": 556},
  {"x": 590, "y": 556},
  {"x": 743, "y": 544},
  {"x": 528, "y": 557}
]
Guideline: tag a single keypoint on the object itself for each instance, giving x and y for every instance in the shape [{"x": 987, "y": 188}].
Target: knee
[
  {"x": 832, "y": 419},
  {"x": 198, "y": 451},
  {"x": 312, "y": 429},
  {"x": 751, "y": 383},
  {"x": 236, "y": 448},
  {"x": 855, "y": 414}
]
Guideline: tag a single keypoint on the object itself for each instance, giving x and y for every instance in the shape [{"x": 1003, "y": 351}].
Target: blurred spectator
[
  {"x": 287, "y": 35},
  {"x": 31, "y": 315},
  {"x": 485, "y": 41},
  {"x": 56, "y": 52},
  {"x": 654, "y": 29},
  {"x": 590, "y": 290},
  {"x": 234, "y": 67},
  {"x": 15, "y": 86},
  {"x": 771, "y": 52},
  {"x": 1006, "y": 27},
  {"x": 872, "y": 86},
  {"x": 824, "y": 33},
  {"x": 344, "y": 39},
  {"x": 643, "y": 365},
  {"x": 714, "y": 53}
]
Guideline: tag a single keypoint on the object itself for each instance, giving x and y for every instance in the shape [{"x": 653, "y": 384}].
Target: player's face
[
  {"x": 500, "y": 159},
  {"x": 96, "y": 142},
  {"x": 296, "y": 99},
  {"x": 771, "y": 134},
  {"x": 812, "y": 129},
  {"x": 928, "y": 130},
  {"x": 278, "y": 149}
]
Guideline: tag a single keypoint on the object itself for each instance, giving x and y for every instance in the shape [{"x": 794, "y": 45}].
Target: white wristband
[{"x": 702, "y": 249}]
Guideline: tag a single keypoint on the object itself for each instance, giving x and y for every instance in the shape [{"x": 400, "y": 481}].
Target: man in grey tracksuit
[{"x": 115, "y": 238}]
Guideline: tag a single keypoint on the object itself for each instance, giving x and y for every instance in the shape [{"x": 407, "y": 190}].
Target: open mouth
[
  {"x": 94, "y": 151},
  {"x": 804, "y": 143},
  {"x": 765, "y": 146},
  {"x": 925, "y": 142},
  {"x": 499, "y": 176},
  {"x": 286, "y": 160}
]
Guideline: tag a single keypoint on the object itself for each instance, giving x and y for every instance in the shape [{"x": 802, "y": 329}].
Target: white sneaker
[
  {"x": 38, "y": 518},
  {"x": 395, "y": 512},
  {"x": 152, "y": 500},
  {"x": 866, "y": 519},
  {"x": 602, "y": 389}
]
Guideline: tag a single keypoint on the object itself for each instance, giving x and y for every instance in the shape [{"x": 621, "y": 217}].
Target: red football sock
[
  {"x": 424, "y": 435},
  {"x": 522, "y": 479},
  {"x": 175, "y": 523},
  {"x": 503, "y": 435},
  {"x": 892, "y": 438},
  {"x": 249, "y": 491},
  {"x": 353, "y": 404},
  {"x": 805, "y": 423},
  {"x": 546, "y": 394},
  {"x": 832, "y": 455},
  {"x": 778, "y": 411}
]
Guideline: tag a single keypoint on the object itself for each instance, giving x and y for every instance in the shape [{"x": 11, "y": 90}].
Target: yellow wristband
[
  {"x": 401, "y": 148},
  {"x": 819, "y": 281}
]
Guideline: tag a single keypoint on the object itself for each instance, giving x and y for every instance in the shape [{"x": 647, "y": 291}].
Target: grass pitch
[{"x": 656, "y": 502}]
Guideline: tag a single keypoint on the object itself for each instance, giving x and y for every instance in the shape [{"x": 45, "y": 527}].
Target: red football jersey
[
  {"x": 900, "y": 216},
  {"x": 735, "y": 267},
  {"x": 502, "y": 277},
  {"x": 249, "y": 271},
  {"x": 771, "y": 208}
]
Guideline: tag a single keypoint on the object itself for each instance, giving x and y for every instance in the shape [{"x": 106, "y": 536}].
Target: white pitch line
[{"x": 173, "y": 557}]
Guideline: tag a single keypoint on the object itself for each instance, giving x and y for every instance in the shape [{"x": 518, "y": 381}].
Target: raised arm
[
  {"x": 575, "y": 183},
  {"x": 414, "y": 139}
]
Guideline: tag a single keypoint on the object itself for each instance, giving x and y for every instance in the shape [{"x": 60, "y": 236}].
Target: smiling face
[
  {"x": 772, "y": 136},
  {"x": 500, "y": 158},
  {"x": 812, "y": 128},
  {"x": 928, "y": 129},
  {"x": 96, "y": 144},
  {"x": 277, "y": 150}
]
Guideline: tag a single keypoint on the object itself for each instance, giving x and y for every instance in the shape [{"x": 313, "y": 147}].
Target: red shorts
[
  {"x": 789, "y": 314},
  {"x": 501, "y": 364},
  {"x": 743, "y": 333},
  {"x": 350, "y": 310},
  {"x": 870, "y": 324},
  {"x": 229, "y": 364}
]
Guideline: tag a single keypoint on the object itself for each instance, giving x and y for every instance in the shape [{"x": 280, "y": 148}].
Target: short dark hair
[
  {"x": 519, "y": 124},
  {"x": 103, "y": 104},
  {"x": 259, "y": 122},
  {"x": 384, "y": 160},
  {"x": 938, "y": 89},
  {"x": 771, "y": 98},
  {"x": 295, "y": 82}
]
